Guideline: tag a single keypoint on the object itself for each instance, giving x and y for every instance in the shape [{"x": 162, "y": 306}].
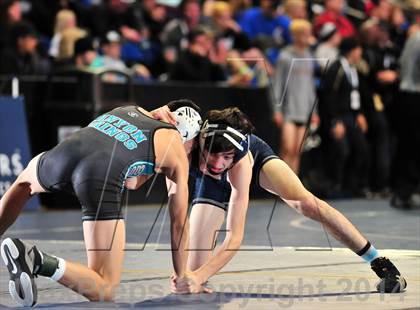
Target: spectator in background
[
  {"x": 294, "y": 89},
  {"x": 239, "y": 7},
  {"x": 155, "y": 17},
  {"x": 399, "y": 26},
  {"x": 227, "y": 30},
  {"x": 194, "y": 64},
  {"x": 174, "y": 37},
  {"x": 343, "y": 122},
  {"x": 66, "y": 46},
  {"x": 334, "y": 14},
  {"x": 139, "y": 23},
  {"x": 381, "y": 58},
  {"x": 382, "y": 11},
  {"x": 261, "y": 67},
  {"x": 356, "y": 12},
  {"x": 327, "y": 50},
  {"x": 111, "y": 50},
  {"x": 247, "y": 65},
  {"x": 65, "y": 19},
  {"x": 111, "y": 59},
  {"x": 42, "y": 14},
  {"x": 84, "y": 53},
  {"x": 10, "y": 14},
  {"x": 407, "y": 168},
  {"x": 415, "y": 26},
  {"x": 265, "y": 26},
  {"x": 22, "y": 57},
  {"x": 295, "y": 9}
]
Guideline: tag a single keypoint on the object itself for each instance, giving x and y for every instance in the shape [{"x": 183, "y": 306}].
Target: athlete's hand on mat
[
  {"x": 164, "y": 114},
  {"x": 188, "y": 284},
  {"x": 339, "y": 130}
]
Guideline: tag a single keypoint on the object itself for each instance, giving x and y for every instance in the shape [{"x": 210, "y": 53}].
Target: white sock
[{"x": 59, "y": 273}]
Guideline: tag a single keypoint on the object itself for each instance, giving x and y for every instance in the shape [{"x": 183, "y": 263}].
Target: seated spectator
[
  {"x": 265, "y": 25},
  {"x": 333, "y": 14},
  {"x": 155, "y": 17},
  {"x": 65, "y": 19},
  {"x": 343, "y": 121},
  {"x": 10, "y": 14},
  {"x": 111, "y": 49},
  {"x": 66, "y": 46},
  {"x": 249, "y": 68},
  {"x": 111, "y": 59},
  {"x": 194, "y": 64},
  {"x": 22, "y": 57},
  {"x": 84, "y": 53},
  {"x": 174, "y": 37},
  {"x": 294, "y": 89},
  {"x": 327, "y": 50},
  {"x": 295, "y": 9},
  {"x": 227, "y": 30},
  {"x": 239, "y": 7}
]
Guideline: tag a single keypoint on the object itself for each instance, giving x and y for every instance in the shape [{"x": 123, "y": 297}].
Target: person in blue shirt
[{"x": 265, "y": 21}]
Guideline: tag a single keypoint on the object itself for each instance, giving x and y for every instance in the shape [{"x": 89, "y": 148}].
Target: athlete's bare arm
[
  {"x": 240, "y": 178},
  {"x": 171, "y": 160}
]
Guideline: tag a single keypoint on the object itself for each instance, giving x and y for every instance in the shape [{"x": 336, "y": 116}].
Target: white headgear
[{"x": 188, "y": 122}]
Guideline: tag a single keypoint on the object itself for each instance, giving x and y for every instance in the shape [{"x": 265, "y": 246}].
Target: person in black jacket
[
  {"x": 194, "y": 64},
  {"x": 22, "y": 58},
  {"x": 343, "y": 120},
  {"x": 381, "y": 56}
]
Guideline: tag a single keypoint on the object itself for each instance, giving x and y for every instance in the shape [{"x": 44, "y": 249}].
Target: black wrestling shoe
[
  {"x": 391, "y": 279},
  {"x": 20, "y": 261}
]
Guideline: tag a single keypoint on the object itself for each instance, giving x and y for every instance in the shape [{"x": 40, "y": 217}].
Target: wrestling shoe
[
  {"x": 20, "y": 261},
  {"x": 391, "y": 279}
]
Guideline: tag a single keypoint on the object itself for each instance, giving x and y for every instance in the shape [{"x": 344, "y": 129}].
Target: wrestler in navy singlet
[{"x": 215, "y": 192}]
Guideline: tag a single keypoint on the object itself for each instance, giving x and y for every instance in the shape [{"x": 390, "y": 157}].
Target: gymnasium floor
[{"x": 286, "y": 261}]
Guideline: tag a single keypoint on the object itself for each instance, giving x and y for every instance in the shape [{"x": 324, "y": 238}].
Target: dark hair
[
  {"x": 348, "y": 44},
  {"x": 22, "y": 30},
  {"x": 232, "y": 117},
  {"x": 175, "y": 104},
  {"x": 184, "y": 3},
  {"x": 83, "y": 45},
  {"x": 199, "y": 31}
]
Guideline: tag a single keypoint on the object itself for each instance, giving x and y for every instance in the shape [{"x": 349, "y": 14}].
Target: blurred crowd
[{"x": 346, "y": 73}]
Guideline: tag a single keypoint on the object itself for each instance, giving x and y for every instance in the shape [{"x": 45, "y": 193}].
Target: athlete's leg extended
[
  {"x": 13, "y": 201},
  {"x": 205, "y": 222},
  {"x": 276, "y": 177}
]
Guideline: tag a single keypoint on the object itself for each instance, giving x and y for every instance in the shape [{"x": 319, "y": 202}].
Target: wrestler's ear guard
[{"x": 188, "y": 122}]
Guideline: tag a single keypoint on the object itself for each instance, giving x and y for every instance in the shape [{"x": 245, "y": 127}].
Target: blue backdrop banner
[{"x": 14, "y": 144}]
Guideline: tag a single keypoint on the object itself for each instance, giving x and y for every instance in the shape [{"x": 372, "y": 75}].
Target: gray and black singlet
[{"x": 94, "y": 162}]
